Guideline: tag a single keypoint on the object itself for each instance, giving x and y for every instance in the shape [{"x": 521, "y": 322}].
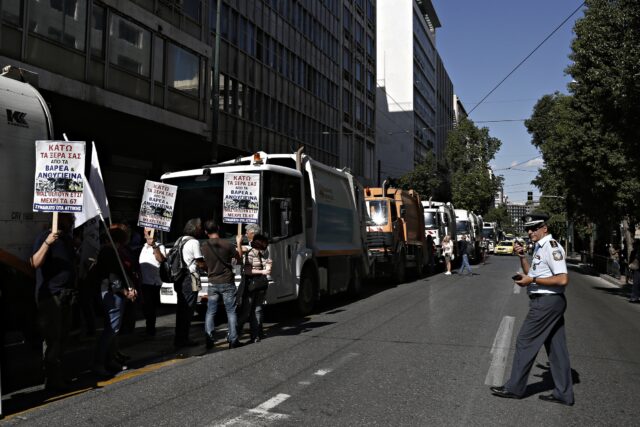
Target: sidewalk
[{"x": 22, "y": 380}]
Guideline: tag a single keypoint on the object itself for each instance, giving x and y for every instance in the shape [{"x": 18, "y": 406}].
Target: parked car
[{"x": 504, "y": 248}]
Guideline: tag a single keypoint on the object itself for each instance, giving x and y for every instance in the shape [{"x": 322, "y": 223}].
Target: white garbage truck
[
  {"x": 25, "y": 119},
  {"x": 313, "y": 214}
]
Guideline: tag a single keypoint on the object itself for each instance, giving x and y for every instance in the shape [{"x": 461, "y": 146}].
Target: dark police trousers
[
  {"x": 544, "y": 324},
  {"x": 187, "y": 299}
]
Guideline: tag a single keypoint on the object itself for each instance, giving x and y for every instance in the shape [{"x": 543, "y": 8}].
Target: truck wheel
[
  {"x": 400, "y": 272},
  {"x": 355, "y": 284},
  {"x": 306, "y": 293}
]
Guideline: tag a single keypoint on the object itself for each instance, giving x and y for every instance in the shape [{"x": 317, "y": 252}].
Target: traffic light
[{"x": 529, "y": 196}]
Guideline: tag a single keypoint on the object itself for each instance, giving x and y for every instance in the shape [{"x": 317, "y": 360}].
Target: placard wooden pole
[
  {"x": 239, "y": 229},
  {"x": 152, "y": 232},
  {"x": 54, "y": 223}
]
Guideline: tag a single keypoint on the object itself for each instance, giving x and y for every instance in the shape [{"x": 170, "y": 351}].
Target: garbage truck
[
  {"x": 396, "y": 233},
  {"x": 312, "y": 214},
  {"x": 25, "y": 119}
]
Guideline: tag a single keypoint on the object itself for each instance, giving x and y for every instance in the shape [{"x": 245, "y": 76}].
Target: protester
[
  {"x": 447, "y": 251},
  {"x": 151, "y": 255},
  {"x": 218, "y": 255},
  {"x": 256, "y": 263},
  {"x": 54, "y": 261},
  {"x": 187, "y": 286},
  {"x": 114, "y": 291},
  {"x": 634, "y": 261},
  {"x": 546, "y": 280},
  {"x": 132, "y": 268}
]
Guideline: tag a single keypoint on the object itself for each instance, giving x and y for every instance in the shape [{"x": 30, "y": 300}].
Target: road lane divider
[
  {"x": 500, "y": 352},
  {"x": 516, "y": 288}
]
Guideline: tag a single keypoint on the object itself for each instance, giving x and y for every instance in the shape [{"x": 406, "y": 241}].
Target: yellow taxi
[{"x": 504, "y": 248}]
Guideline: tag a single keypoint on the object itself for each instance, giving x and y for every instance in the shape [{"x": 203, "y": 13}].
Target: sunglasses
[{"x": 534, "y": 227}]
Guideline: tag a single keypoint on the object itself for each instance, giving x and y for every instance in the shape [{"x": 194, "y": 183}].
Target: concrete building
[
  {"x": 415, "y": 94},
  {"x": 459, "y": 112},
  {"x": 138, "y": 78},
  {"x": 517, "y": 211}
]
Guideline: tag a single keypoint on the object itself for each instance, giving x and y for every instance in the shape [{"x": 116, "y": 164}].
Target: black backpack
[{"x": 173, "y": 268}]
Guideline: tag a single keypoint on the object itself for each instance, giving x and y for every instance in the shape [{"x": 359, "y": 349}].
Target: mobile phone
[{"x": 517, "y": 277}]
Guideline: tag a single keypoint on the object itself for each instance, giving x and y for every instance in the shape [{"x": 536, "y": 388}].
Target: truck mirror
[{"x": 403, "y": 212}]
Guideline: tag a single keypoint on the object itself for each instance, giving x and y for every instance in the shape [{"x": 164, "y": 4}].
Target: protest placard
[
  {"x": 241, "y": 198},
  {"x": 59, "y": 178},
  {"x": 158, "y": 200}
]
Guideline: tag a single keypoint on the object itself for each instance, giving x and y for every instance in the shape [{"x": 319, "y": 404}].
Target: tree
[
  {"x": 429, "y": 179},
  {"x": 468, "y": 153},
  {"x": 499, "y": 215}
]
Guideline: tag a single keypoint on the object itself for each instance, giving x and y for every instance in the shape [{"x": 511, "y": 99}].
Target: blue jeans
[
  {"x": 465, "y": 264},
  {"x": 113, "y": 306},
  {"x": 228, "y": 293}
]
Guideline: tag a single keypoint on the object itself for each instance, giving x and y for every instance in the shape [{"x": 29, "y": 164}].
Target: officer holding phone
[{"x": 545, "y": 279}]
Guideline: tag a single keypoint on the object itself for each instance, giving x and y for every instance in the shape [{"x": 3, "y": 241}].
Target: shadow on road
[
  {"x": 622, "y": 292},
  {"x": 546, "y": 381}
]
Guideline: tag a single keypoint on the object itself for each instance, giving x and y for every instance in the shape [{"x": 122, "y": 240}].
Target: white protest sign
[
  {"x": 241, "y": 198},
  {"x": 59, "y": 179},
  {"x": 158, "y": 200}
]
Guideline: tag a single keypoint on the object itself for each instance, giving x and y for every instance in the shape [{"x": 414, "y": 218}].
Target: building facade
[
  {"x": 164, "y": 85},
  {"x": 517, "y": 211},
  {"x": 415, "y": 94}
]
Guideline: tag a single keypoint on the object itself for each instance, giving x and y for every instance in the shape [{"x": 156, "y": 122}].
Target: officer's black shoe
[
  {"x": 503, "y": 392},
  {"x": 551, "y": 398},
  {"x": 235, "y": 344}
]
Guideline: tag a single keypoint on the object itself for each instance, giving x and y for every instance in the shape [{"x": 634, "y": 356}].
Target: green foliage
[
  {"x": 590, "y": 140},
  {"x": 469, "y": 151},
  {"x": 498, "y": 214},
  {"x": 429, "y": 179}
]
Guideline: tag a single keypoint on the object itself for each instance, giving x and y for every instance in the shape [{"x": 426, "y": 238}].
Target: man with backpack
[
  {"x": 187, "y": 282},
  {"x": 218, "y": 254}
]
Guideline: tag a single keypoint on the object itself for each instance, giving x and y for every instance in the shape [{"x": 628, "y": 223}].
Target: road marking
[
  {"x": 261, "y": 412},
  {"x": 500, "y": 351},
  {"x": 322, "y": 372},
  {"x": 516, "y": 289}
]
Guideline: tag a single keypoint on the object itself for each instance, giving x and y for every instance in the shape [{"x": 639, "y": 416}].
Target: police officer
[{"x": 546, "y": 279}]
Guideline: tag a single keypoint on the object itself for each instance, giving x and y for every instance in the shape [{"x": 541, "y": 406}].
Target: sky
[{"x": 481, "y": 42}]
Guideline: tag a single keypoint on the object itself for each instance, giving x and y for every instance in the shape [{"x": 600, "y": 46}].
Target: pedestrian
[
  {"x": 54, "y": 261},
  {"x": 129, "y": 260},
  {"x": 546, "y": 280},
  {"x": 151, "y": 255},
  {"x": 634, "y": 267},
  {"x": 447, "y": 251},
  {"x": 188, "y": 285},
  {"x": 257, "y": 266},
  {"x": 614, "y": 256},
  {"x": 114, "y": 291},
  {"x": 463, "y": 248},
  {"x": 218, "y": 255}
]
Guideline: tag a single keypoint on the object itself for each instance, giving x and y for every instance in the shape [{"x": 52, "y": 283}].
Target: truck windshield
[
  {"x": 198, "y": 197},
  {"x": 378, "y": 212},
  {"x": 462, "y": 226},
  {"x": 430, "y": 220},
  {"x": 488, "y": 233}
]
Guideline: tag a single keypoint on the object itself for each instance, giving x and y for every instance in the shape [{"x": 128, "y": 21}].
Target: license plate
[{"x": 166, "y": 291}]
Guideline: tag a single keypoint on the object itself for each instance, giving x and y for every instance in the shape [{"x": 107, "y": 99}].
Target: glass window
[
  {"x": 430, "y": 220},
  {"x": 284, "y": 208},
  {"x": 183, "y": 70},
  {"x": 378, "y": 212},
  {"x": 158, "y": 60},
  {"x": 212, "y": 15},
  {"x": 97, "y": 31},
  {"x": 191, "y": 8},
  {"x": 61, "y": 20},
  {"x": 12, "y": 12},
  {"x": 129, "y": 46}
]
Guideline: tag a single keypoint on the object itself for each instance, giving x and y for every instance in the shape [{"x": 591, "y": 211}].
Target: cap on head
[{"x": 535, "y": 219}]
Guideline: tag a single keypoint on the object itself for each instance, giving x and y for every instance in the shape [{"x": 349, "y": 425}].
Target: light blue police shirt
[{"x": 548, "y": 260}]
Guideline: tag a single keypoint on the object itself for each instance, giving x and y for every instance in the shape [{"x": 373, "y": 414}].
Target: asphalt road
[{"x": 423, "y": 353}]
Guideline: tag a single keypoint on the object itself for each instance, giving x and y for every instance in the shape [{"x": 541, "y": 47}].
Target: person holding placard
[
  {"x": 54, "y": 261},
  {"x": 151, "y": 255}
]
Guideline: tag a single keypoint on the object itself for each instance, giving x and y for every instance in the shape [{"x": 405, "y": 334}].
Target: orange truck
[{"x": 395, "y": 233}]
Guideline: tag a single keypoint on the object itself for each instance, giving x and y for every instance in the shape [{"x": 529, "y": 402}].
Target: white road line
[
  {"x": 500, "y": 351},
  {"x": 322, "y": 372},
  {"x": 259, "y": 413},
  {"x": 516, "y": 289}
]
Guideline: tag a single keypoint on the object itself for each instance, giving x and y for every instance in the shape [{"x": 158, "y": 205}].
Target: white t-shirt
[
  {"x": 447, "y": 247},
  {"x": 149, "y": 265},
  {"x": 191, "y": 252}
]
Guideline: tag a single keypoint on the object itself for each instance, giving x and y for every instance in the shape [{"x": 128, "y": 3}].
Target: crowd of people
[{"x": 124, "y": 279}]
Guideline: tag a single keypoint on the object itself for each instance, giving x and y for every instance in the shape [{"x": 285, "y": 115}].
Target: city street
[{"x": 423, "y": 353}]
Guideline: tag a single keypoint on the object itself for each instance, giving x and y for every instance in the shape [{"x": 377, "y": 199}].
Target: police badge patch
[
  {"x": 557, "y": 255},
  {"x": 554, "y": 244}
]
